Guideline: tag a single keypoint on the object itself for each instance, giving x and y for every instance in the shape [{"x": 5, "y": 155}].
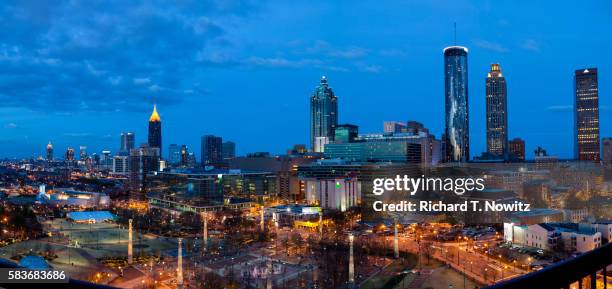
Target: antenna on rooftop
[{"x": 455, "y": 32}]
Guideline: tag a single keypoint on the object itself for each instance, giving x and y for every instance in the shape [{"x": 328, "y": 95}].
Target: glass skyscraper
[
  {"x": 586, "y": 115},
  {"x": 456, "y": 100},
  {"x": 497, "y": 113},
  {"x": 323, "y": 115}
]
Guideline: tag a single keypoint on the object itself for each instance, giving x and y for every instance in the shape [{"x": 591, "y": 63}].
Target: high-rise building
[
  {"x": 211, "y": 150},
  {"x": 586, "y": 115},
  {"x": 517, "y": 148},
  {"x": 82, "y": 153},
  {"x": 228, "y": 150},
  {"x": 456, "y": 104},
  {"x": 127, "y": 143},
  {"x": 174, "y": 154},
  {"x": 606, "y": 151},
  {"x": 49, "y": 151},
  {"x": 120, "y": 165},
  {"x": 184, "y": 156},
  {"x": 155, "y": 130},
  {"x": 497, "y": 113},
  {"x": 70, "y": 154},
  {"x": 345, "y": 133},
  {"x": 143, "y": 161},
  {"x": 106, "y": 160},
  {"x": 323, "y": 115}
]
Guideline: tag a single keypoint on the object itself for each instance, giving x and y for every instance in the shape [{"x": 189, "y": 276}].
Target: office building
[
  {"x": 174, "y": 154},
  {"x": 82, "y": 153},
  {"x": 456, "y": 104},
  {"x": 211, "y": 150},
  {"x": 323, "y": 116},
  {"x": 345, "y": 133},
  {"x": 394, "y": 127},
  {"x": 127, "y": 143},
  {"x": 516, "y": 148},
  {"x": 49, "y": 151},
  {"x": 155, "y": 131},
  {"x": 228, "y": 150},
  {"x": 69, "y": 154},
  {"x": 497, "y": 113},
  {"x": 142, "y": 162},
  {"x": 120, "y": 165},
  {"x": 106, "y": 160},
  {"x": 586, "y": 115}
]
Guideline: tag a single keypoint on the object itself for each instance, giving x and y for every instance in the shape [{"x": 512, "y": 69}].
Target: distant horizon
[{"x": 81, "y": 73}]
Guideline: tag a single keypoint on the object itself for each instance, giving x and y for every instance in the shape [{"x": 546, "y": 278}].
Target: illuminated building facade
[
  {"x": 323, "y": 116},
  {"x": 497, "y": 113},
  {"x": 586, "y": 115},
  {"x": 456, "y": 104},
  {"x": 155, "y": 130},
  {"x": 49, "y": 152}
]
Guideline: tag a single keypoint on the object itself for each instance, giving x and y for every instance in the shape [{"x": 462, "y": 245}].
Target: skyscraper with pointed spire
[
  {"x": 155, "y": 130},
  {"x": 323, "y": 115}
]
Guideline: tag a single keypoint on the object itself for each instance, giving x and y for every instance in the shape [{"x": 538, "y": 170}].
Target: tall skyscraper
[
  {"x": 155, "y": 130},
  {"x": 497, "y": 113},
  {"x": 211, "y": 150},
  {"x": 323, "y": 115},
  {"x": 127, "y": 143},
  {"x": 49, "y": 151},
  {"x": 82, "y": 153},
  {"x": 228, "y": 150},
  {"x": 70, "y": 154},
  {"x": 586, "y": 115},
  {"x": 184, "y": 155},
  {"x": 456, "y": 104},
  {"x": 517, "y": 148},
  {"x": 143, "y": 161}
]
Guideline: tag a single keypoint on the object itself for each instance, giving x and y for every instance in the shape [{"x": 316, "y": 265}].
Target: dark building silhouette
[
  {"x": 127, "y": 143},
  {"x": 228, "y": 150},
  {"x": 212, "y": 150},
  {"x": 323, "y": 116},
  {"x": 155, "y": 130},
  {"x": 456, "y": 104},
  {"x": 142, "y": 162},
  {"x": 497, "y": 113},
  {"x": 586, "y": 115}
]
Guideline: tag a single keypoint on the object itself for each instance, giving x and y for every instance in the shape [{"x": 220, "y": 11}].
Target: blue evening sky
[{"x": 80, "y": 72}]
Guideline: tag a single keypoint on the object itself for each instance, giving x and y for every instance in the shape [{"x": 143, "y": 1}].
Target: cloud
[
  {"x": 324, "y": 48},
  {"x": 10, "y": 125},
  {"x": 490, "y": 45},
  {"x": 560, "y": 107},
  {"x": 530, "y": 45},
  {"x": 65, "y": 56}
]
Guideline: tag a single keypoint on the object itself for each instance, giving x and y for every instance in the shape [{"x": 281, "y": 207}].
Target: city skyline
[{"x": 397, "y": 77}]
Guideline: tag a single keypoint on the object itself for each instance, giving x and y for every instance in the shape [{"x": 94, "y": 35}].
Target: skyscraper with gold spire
[{"x": 155, "y": 132}]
